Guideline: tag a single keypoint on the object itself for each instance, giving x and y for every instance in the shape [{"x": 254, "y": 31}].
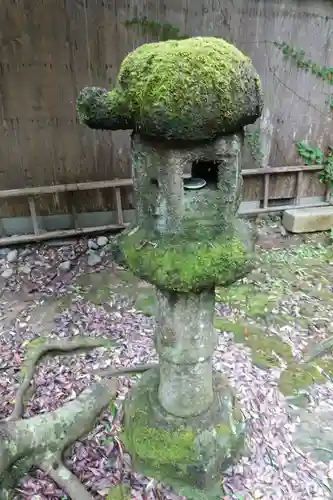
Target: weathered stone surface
[
  {"x": 185, "y": 341},
  {"x": 182, "y": 425},
  {"x": 308, "y": 220},
  {"x": 93, "y": 259},
  {"x": 12, "y": 255},
  {"x": 186, "y": 453},
  {"x": 218, "y": 92},
  {"x": 186, "y": 241}
]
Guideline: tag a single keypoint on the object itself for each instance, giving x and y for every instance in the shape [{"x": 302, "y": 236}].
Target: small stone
[
  {"x": 92, "y": 245},
  {"x": 26, "y": 269},
  {"x": 65, "y": 266},
  {"x": 4, "y": 251},
  {"x": 283, "y": 231},
  {"x": 102, "y": 241},
  {"x": 94, "y": 259},
  {"x": 25, "y": 253},
  {"x": 12, "y": 256},
  {"x": 7, "y": 273}
]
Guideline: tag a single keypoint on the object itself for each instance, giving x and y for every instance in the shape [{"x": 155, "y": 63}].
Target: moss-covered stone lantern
[{"x": 187, "y": 102}]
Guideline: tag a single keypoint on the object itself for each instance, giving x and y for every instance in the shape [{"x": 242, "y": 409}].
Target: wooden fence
[
  {"x": 50, "y": 49},
  {"x": 39, "y": 233}
]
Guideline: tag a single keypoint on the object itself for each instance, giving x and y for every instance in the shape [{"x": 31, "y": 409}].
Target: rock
[
  {"x": 26, "y": 269},
  {"x": 92, "y": 245},
  {"x": 283, "y": 231},
  {"x": 102, "y": 241},
  {"x": 94, "y": 259},
  {"x": 65, "y": 266},
  {"x": 12, "y": 256},
  {"x": 7, "y": 273},
  {"x": 308, "y": 220},
  {"x": 4, "y": 251},
  {"x": 25, "y": 253}
]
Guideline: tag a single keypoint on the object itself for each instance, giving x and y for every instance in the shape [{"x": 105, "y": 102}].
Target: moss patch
[
  {"x": 192, "y": 89},
  {"x": 146, "y": 304},
  {"x": 248, "y": 298},
  {"x": 184, "y": 453},
  {"x": 297, "y": 377},
  {"x": 185, "y": 265},
  {"x": 154, "y": 448},
  {"x": 267, "y": 350},
  {"x": 161, "y": 445}
]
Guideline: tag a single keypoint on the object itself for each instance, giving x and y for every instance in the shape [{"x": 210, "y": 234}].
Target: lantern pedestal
[
  {"x": 185, "y": 453},
  {"x": 182, "y": 424}
]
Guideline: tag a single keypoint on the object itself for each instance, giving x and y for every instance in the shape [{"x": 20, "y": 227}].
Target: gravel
[{"x": 272, "y": 468}]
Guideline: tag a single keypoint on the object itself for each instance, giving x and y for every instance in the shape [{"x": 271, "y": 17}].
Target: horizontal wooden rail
[
  {"x": 63, "y": 188},
  {"x": 116, "y": 184},
  {"x": 51, "y": 235},
  {"x": 281, "y": 208},
  {"x": 280, "y": 170},
  {"x": 40, "y": 235}
]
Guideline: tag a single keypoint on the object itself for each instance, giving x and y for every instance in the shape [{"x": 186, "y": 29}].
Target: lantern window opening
[{"x": 206, "y": 170}]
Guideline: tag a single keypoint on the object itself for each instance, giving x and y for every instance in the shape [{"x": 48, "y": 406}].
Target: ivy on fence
[
  {"x": 325, "y": 73},
  {"x": 313, "y": 155}
]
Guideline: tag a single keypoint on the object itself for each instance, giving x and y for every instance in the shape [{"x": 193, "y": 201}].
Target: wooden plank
[
  {"x": 119, "y": 206},
  {"x": 62, "y": 188},
  {"x": 280, "y": 170},
  {"x": 281, "y": 208},
  {"x": 328, "y": 194},
  {"x": 298, "y": 187},
  {"x": 32, "y": 208},
  {"x": 266, "y": 190},
  {"x": 73, "y": 210},
  {"x": 51, "y": 235}
]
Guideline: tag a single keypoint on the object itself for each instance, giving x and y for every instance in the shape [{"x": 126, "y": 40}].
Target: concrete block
[{"x": 308, "y": 220}]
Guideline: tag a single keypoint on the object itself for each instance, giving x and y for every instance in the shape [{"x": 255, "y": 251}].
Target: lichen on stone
[
  {"x": 181, "y": 452},
  {"x": 184, "y": 264},
  {"x": 192, "y": 89}
]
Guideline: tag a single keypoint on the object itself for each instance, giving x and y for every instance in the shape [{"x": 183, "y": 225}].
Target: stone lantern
[{"x": 187, "y": 102}]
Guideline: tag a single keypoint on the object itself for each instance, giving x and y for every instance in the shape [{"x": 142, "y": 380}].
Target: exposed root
[
  {"x": 53, "y": 347},
  {"x": 131, "y": 370},
  {"x": 41, "y": 441},
  {"x": 65, "y": 479}
]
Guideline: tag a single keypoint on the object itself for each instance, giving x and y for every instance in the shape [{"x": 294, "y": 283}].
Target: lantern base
[{"x": 187, "y": 454}]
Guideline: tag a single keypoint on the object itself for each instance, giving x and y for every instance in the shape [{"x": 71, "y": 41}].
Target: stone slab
[{"x": 308, "y": 220}]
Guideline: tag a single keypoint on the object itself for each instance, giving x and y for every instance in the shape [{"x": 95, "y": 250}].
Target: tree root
[
  {"x": 64, "y": 478},
  {"x": 41, "y": 441},
  {"x": 54, "y": 347},
  {"x": 131, "y": 370}
]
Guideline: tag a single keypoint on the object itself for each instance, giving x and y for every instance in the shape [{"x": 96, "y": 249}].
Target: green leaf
[{"x": 113, "y": 409}]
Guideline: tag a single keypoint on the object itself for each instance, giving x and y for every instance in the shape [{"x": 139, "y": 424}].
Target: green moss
[
  {"x": 158, "y": 448},
  {"x": 192, "y": 89},
  {"x": 267, "y": 350},
  {"x": 247, "y": 297},
  {"x": 297, "y": 377},
  {"x": 161, "y": 445},
  {"x": 182, "y": 264},
  {"x": 101, "y": 109},
  {"x": 146, "y": 304}
]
